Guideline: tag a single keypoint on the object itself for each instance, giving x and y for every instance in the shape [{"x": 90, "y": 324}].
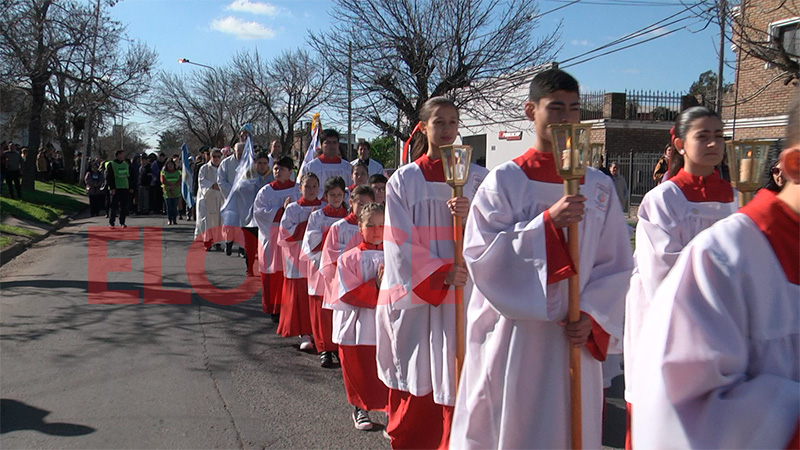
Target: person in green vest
[
  {"x": 171, "y": 185},
  {"x": 118, "y": 174}
]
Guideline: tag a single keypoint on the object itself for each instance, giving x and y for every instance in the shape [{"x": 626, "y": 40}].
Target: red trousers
[
  {"x": 360, "y": 374},
  {"x": 271, "y": 287},
  {"x": 295, "y": 318},
  {"x": 322, "y": 325},
  {"x": 628, "y": 426},
  {"x": 418, "y": 422},
  {"x": 250, "y": 248}
]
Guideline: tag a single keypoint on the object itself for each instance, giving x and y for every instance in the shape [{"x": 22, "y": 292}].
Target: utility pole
[
  {"x": 722, "y": 5},
  {"x": 349, "y": 97}
]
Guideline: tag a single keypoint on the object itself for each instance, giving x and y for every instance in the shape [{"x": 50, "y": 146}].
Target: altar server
[
  {"x": 514, "y": 390},
  {"x": 671, "y": 214},
  {"x": 329, "y": 163},
  {"x": 209, "y": 202},
  {"x": 722, "y": 368},
  {"x": 416, "y": 312}
]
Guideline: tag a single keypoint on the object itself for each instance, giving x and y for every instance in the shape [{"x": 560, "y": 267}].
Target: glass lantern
[
  {"x": 455, "y": 162},
  {"x": 747, "y": 161},
  {"x": 571, "y": 148}
]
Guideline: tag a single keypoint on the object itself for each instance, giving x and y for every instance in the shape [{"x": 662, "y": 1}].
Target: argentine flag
[{"x": 186, "y": 177}]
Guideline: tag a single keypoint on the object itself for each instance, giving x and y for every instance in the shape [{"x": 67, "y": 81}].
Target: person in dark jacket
[{"x": 118, "y": 174}]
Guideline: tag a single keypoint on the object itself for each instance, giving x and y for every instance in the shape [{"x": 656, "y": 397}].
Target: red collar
[
  {"x": 352, "y": 219},
  {"x": 367, "y": 246},
  {"x": 711, "y": 188},
  {"x": 334, "y": 160},
  {"x": 352, "y": 187},
  {"x": 781, "y": 226},
  {"x": 304, "y": 202},
  {"x": 432, "y": 170},
  {"x": 539, "y": 166},
  {"x": 278, "y": 186},
  {"x": 339, "y": 212}
]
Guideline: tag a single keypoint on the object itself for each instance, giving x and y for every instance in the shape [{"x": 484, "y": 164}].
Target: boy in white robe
[
  {"x": 514, "y": 389},
  {"x": 329, "y": 163},
  {"x": 209, "y": 202},
  {"x": 721, "y": 365}
]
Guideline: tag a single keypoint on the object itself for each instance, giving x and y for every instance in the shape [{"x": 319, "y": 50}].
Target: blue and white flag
[
  {"x": 186, "y": 177},
  {"x": 235, "y": 208}
]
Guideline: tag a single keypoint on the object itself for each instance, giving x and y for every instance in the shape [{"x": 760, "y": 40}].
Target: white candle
[
  {"x": 565, "y": 158},
  {"x": 746, "y": 170}
]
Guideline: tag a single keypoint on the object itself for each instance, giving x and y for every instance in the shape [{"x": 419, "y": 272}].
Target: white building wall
[{"x": 499, "y": 146}]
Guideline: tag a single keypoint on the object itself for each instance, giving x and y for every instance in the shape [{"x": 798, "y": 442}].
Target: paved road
[{"x": 201, "y": 375}]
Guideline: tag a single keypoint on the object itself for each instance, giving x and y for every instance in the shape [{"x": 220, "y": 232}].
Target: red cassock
[
  {"x": 295, "y": 317},
  {"x": 358, "y": 295}
]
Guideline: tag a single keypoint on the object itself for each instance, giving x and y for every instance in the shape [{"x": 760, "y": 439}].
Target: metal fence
[
  {"x": 652, "y": 105},
  {"x": 637, "y": 169},
  {"x": 592, "y": 105}
]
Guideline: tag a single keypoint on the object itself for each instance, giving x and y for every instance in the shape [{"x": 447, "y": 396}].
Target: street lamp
[{"x": 186, "y": 61}]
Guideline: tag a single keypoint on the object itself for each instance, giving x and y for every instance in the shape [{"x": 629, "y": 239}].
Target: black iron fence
[
  {"x": 592, "y": 105},
  {"x": 652, "y": 105},
  {"x": 637, "y": 169}
]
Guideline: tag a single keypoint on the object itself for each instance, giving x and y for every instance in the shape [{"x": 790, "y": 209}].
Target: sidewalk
[{"x": 38, "y": 231}]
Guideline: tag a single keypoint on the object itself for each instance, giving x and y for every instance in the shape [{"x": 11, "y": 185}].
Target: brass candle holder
[
  {"x": 455, "y": 163},
  {"x": 573, "y": 154},
  {"x": 747, "y": 161}
]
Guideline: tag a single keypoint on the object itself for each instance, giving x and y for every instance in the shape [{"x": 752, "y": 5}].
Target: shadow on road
[{"x": 16, "y": 416}]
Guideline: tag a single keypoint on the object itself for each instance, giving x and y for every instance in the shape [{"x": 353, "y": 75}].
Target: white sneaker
[
  {"x": 361, "y": 420},
  {"x": 307, "y": 343}
]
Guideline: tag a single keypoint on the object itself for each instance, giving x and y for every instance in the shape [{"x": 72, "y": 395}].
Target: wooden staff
[
  {"x": 572, "y": 187},
  {"x": 458, "y": 256}
]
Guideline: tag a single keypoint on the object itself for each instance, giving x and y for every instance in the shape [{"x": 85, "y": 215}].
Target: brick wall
[{"x": 753, "y": 76}]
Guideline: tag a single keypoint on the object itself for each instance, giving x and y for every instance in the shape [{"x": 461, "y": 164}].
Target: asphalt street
[
  {"x": 144, "y": 375},
  {"x": 198, "y": 375}
]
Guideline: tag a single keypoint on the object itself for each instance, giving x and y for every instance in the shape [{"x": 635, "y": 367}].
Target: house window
[{"x": 787, "y": 33}]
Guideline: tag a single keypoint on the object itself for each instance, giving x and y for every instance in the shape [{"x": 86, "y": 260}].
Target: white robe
[
  {"x": 238, "y": 210},
  {"x": 323, "y": 171},
  {"x": 355, "y": 325},
  {"x": 722, "y": 368},
  {"x": 341, "y": 237},
  {"x": 294, "y": 215},
  {"x": 514, "y": 389},
  {"x": 209, "y": 202},
  {"x": 374, "y": 166},
  {"x": 415, "y": 340},
  {"x": 318, "y": 225},
  {"x": 226, "y": 174},
  {"x": 267, "y": 204},
  {"x": 667, "y": 222}
]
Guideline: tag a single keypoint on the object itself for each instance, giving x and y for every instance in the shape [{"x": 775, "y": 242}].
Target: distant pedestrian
[
  {"x": 118, "y": 182},
  {"x": 620, "y": 184},
  {"x": 94, "y": 189},
  {"x": 171, "y": 186},
  {"x": 12, "y": 162},
  {"x": 661, "y": 171},
  {"x": 209, "y": 202}
]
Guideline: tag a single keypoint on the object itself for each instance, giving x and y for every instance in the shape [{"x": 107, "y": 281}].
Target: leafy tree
[{"x": 382, "y": 149}]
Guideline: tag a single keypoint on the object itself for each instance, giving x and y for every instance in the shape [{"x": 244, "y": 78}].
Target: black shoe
[
  {"x": 275, "y": 318},
  {"x": 241, "y": 253},
  {"x": 218, "y": 247},
  {"x": 228, "y": 248},
  {"x": 326, "y": 360}
]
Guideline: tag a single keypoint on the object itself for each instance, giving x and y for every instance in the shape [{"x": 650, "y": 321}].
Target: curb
[{"x": 14, "y": 250}]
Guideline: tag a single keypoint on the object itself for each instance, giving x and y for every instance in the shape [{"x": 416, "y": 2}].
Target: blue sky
[{"x": 212, "y": 31}]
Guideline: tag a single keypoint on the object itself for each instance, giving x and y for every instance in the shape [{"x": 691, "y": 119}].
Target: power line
[{"x": 634, "y": 35}]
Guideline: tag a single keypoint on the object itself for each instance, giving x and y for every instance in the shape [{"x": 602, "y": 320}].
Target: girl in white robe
[
  {"x": 318, "y": 224},
  {"x": 416, "y": 309},
  {"x": 295, "y": 319},
  {"x": 270, "y": 203},
  {"x": 722, "y": 368},
  {"x": 360, "y": 271},
  {"x": 514, "y": 389},
  {"x": 209, "y": 201},
  {"x": 674, "y": 212}
]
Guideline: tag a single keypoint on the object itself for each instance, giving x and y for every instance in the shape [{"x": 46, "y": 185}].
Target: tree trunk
[{"x": 34, "y": 131}]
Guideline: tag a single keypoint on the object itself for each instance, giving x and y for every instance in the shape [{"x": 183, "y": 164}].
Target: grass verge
[
  {"x": 41, "y": 205},
  {"x": 17, "y": 231}
]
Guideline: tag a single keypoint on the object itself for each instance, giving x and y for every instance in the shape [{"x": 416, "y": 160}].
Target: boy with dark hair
[
  {"x": 373, "y": 167},
  {"x": 329, "y": 163},
  {"x": 517, "y": 355},
  {"x": 378, "y": 184}
]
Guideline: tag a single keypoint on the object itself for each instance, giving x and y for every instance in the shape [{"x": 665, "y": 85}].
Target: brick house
[{"x": 756, "y": 106}]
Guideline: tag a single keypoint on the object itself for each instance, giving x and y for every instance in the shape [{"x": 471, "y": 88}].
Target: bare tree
[
  {"x": 288, "y": 87},
  {"x": 478, "y": 52},
  {"x": 47, "y": 48},
  {"x": 207, "y": 103}
]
